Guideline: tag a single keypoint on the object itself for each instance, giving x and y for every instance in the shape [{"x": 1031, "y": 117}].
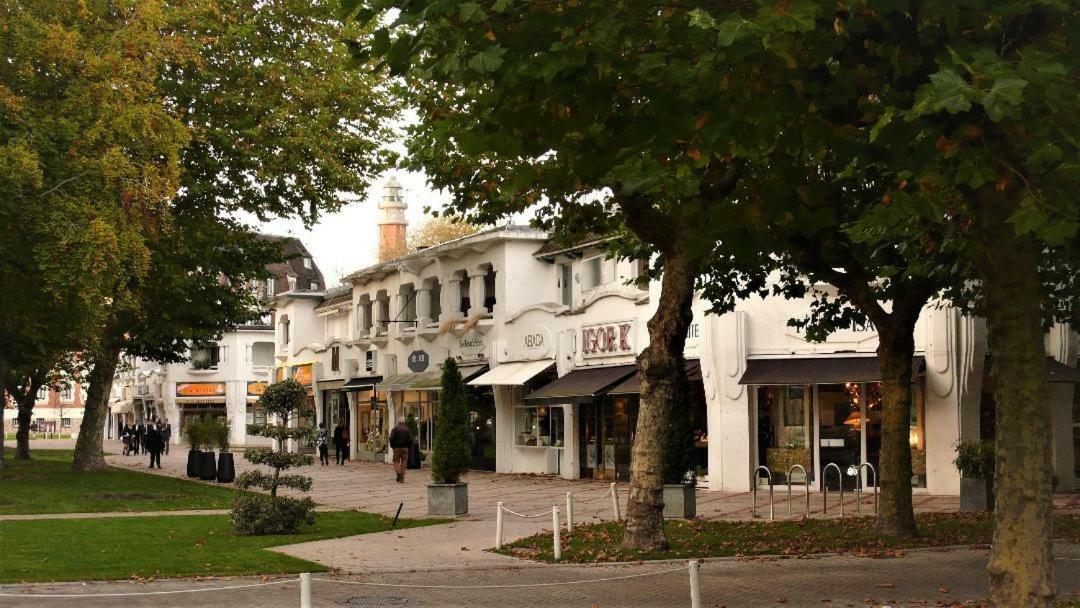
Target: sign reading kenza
[{"x": 607, "y": 339}]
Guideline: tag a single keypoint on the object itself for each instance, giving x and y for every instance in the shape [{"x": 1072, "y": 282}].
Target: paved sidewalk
[{"x": 923, "y": 578}]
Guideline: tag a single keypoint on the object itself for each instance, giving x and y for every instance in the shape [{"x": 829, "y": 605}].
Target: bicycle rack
[
  {"x": 753, "y": 509},
  {"x": 806, "y": 484},
  {"x": 873, "y": 471},
  {"x": 825, "y": 488}
]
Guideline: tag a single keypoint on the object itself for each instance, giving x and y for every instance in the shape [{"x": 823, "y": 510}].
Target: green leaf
[
  {"x": 487, "y": 60},
  {"x": 882, "y": 122},
  {"x": 471, "y": 11},
  {"x": 951, "y": 92},
  {"x": 731, "y": 30},
  {"x": 1005, "y": 94}
]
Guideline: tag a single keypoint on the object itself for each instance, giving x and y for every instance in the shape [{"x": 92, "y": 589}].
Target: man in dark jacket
[
  {"x": 154, "y": 445},
  {"x": 400, "y": 442},
  {"x": 166, "y": 436}
]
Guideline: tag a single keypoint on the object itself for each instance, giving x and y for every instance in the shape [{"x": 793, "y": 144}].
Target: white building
[{"x": 546, "y": 337}]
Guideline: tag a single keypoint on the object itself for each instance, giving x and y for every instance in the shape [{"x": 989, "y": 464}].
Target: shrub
[
  {"x": 680, "y": 440},
  {"x": 197, "y": 434},
  {"x": 255, "y": 514},
  {"x": 975, "y": 459},
  {"x": 217, "y": 433},
  {"x": 285, "y": 401},
  {"x": 450, "y": 454}
]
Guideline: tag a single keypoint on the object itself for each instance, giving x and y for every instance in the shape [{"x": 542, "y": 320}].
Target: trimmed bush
[
  {"x": 217, "y": 433},
  {"x": 450, "y": 454},
  {"x": 252, "y": 514},
  {"x": 975, "y": 459}
]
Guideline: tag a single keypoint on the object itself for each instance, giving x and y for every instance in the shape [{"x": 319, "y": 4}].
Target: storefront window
[
  {"x": 784, "y": 438},
  {"x": 371, "y": 420},
  {"x": 540, "y": 426},
  {"x": 422, "y": 404},
  {"x": 255, "y": 413}
]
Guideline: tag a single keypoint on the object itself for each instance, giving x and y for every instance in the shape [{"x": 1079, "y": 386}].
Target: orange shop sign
[
  {"x": 303, "y": 374},
  {"x": 256, "y": 389},
  {"x": 200, "y": 389}
]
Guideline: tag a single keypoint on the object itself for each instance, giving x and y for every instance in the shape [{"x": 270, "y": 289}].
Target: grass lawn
[
  {"x": 47, "y": 484},
  {"x": 690, "y": 539},
  {"x": 165, "y": 546}
]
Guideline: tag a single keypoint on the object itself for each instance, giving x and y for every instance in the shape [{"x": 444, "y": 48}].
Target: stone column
[
  {"x": 377, "y": 316},
  {"x": 476, "y": 293},
  {"x": 450, "y": 296},
  {"x": 423, "y": 307}
]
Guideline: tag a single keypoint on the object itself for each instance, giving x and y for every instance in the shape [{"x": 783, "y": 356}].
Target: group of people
[
  {"x": 340, "y": 439},
  {"x": 152, "y": 438}
]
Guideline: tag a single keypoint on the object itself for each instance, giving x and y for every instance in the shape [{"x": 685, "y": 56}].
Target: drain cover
[{"x": 374, "y": 600}]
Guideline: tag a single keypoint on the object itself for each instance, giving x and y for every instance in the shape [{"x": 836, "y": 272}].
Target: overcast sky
[{"x": 347, "y": 240}]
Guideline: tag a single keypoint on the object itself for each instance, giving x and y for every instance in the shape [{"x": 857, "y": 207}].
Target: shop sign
[
  {"x": 303, "y": 374},
  {"x": 607, "y": 339},
  {"x": 256, "y": 389},
  {"x": 471, "y": 346},
  {"x": 419, "y": 361},
  {"x": 279, "y": 374},
  {"x": 200, "y": 389},
  {"x": 535, "y": 343}
]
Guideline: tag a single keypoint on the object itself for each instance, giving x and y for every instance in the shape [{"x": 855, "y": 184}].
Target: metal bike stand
[
  {"x": 825, "y": 488},
  {"x": 873, "y": 472},
  {"x": 806, "y": 484},
  {"x": 753, "y": 509}
]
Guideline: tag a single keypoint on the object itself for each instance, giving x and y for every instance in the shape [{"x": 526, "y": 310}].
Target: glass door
[{"x": 840, "y": 423}]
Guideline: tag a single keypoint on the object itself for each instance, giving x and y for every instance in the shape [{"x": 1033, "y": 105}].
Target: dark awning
[
  {"x": 818, "y": 370},
  {"x": 1059, "y": 372},
  {"x": 360, "y": 383},
  {"x": 580, "y": 385},
  {"x": 433, "y": 381},
  {"x": 632, "y": 385}
]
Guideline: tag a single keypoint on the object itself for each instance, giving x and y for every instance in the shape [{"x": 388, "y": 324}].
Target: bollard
[
  {"x": 695, "y": 584},
  {"x": 569, "y": 512},
  {"x": 555, "y": 532},
  {"x": 615, "y": 501},
  {"x": 498, "y": 525},
  {"x": 305, "y": 590}
]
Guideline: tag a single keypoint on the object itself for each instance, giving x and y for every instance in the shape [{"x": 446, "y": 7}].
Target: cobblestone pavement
[{"x": 922, "y": 578}]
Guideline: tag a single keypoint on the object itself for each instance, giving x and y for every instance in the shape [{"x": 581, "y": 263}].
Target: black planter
[
  {"x": 226, "y": 469},
  {"x": 207, "y": 466},
  {"x": 193, "y": 462},
  {"x": 414, "y": 456}
]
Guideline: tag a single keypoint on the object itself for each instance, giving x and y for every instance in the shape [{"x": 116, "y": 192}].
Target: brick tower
[{"x": 392, "y": 222}]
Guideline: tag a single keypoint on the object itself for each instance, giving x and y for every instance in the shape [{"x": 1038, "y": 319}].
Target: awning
[
  {"x": 1059, "y": 372},
  {"x": 818, "y": 370},
  {"x": 360, "y": 383},
  {"x": 512, "y": 374},
  {"x": 121, "y": 407},
  {"x": 580, "y": 385},
  {"x": 331, "y": 385},
  {"x": 405, "y": 382},
  {"x": 632, "y": 385}
]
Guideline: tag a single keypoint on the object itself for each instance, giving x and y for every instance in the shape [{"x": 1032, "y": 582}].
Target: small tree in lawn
[
  {"x": 450, "y": 457},
  {"x": 255, "y": 513}
]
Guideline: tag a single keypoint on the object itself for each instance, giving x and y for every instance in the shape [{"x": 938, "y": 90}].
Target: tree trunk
[
  {"x": 25, "y": 398},
  {"x": 896, "y": 348},
  {"x": 1021, "y": 559},
  {"x": 662, "y": 370},
  {"x": 88, "y": 448}
]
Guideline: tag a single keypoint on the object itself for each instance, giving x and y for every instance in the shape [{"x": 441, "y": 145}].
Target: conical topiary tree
[
  {"x": 253, "y": 513},
  {"x": 450, "y": 454}
]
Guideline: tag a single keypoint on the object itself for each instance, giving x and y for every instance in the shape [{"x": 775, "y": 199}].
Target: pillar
[
  {"x": 423, "y": 306},
  {"x": 476, "y": 293},
  {"x": 451, "y": 296}
]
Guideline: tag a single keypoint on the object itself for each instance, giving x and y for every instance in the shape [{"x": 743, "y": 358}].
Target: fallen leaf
[{"x": 885, "y": 585}]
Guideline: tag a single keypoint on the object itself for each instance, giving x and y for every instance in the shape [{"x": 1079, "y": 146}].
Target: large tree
[{"x": 280, "y": 128}]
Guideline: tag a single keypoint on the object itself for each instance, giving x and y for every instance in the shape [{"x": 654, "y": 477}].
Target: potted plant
[
  {"x": 414, "y": 449},
  {"x": 207, "y": 458},
  {"x": 680, "y": 480},
  {"x": 226, "y": 467},
  {"x": 975, "y": 461},
  {"x": 447, "y": 495},
  {"x": 192, "y": 433}
]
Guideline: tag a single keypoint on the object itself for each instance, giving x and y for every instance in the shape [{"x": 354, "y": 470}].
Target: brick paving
[{"x": 922, "y": 578}]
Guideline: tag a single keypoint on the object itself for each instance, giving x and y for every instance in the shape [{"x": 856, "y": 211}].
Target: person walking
[
  {"x": 154, "y": 445},
  {"x": 400, "y": 442},
  {"x": 139, "y": 432},
  {"x": 126, "y": 437},
  {"x": 166, "y": 435},
  {"x": 320, "y": 440},
  {"x": 341, "y": 443}
]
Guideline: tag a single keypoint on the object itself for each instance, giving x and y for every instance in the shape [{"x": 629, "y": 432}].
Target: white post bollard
[
  {"x": 498, "y": 525},
  {"x": 305, "y": 590},
  {"x": 695, "y": 584},
  {"x": 615, "y": 502},
  {"x": 555, "y": 532},
  {"x": 569, "y": 512}
]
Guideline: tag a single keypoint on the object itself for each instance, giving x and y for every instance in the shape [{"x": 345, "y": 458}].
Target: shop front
[
  {"x": 200, "y": 400},
  {"x": 305, "y": 375},
  {"x": 813, "y": 412},
  {"x": 372, "y": 416},
  {"x": 253, "y": 412},
  {"x": 525, "y": 439}
]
